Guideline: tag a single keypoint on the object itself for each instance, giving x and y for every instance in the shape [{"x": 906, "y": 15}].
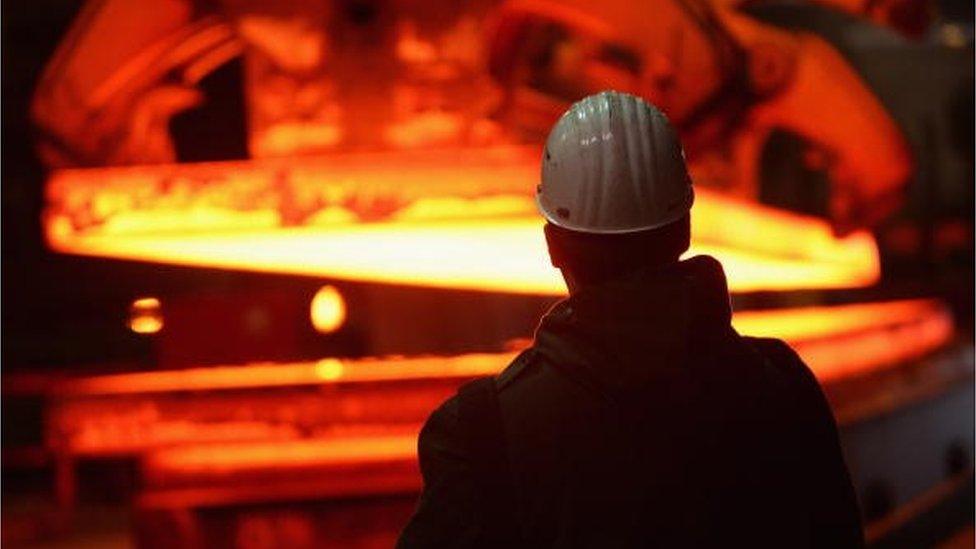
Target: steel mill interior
[{"x": 249, "y": 246}]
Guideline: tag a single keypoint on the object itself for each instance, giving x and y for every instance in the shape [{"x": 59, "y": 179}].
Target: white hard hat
[{"x": 613, "y": 164}]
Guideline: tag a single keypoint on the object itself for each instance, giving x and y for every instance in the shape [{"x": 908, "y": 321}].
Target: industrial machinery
[{"x": 353, "y": 75}]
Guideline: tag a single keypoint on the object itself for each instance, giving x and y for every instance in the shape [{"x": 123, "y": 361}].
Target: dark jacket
[{"x": 640, "y": 418}]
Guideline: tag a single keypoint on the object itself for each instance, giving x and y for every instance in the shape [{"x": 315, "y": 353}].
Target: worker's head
[{"x": 615, "y": 189}]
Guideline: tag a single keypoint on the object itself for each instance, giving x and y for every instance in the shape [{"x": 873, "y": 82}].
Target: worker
[{"x": 638, "y": 417}]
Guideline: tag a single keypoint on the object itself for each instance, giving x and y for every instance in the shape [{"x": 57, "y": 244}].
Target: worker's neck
[
  {"x": 575, "y": 285},
  {"x": 572, "y": 284}
]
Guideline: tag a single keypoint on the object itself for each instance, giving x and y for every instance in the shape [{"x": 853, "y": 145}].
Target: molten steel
[{"x": 459, "y": 219}]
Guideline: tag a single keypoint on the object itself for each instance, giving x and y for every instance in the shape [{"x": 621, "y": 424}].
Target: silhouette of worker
[{"x": 638, "y": 417}]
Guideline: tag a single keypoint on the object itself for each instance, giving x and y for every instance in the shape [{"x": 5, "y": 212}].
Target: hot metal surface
[{"x": 461, "y": 219}]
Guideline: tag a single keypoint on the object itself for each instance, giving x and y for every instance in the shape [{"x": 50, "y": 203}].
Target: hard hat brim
[{"x": 679, "y": 212}]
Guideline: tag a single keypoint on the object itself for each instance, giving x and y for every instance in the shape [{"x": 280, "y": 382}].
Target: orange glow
[
  {"x": 328, "y": 310},
  {"x": 503, "y": 255},
  {"x": 329, "y": 369},
  {"x": 819, "y": 322},
  {"x": 330, "y": 466},
  {"x": 145, "y": 316},
  {"x": 325, "y": 371},
  {"x": 459, "y": 219},
  {"x": 369, "y": 420},
  {"x": 850, "y": 340},
  {"x": 834, "y": 341},
  {"x": 302, "y": 453}
]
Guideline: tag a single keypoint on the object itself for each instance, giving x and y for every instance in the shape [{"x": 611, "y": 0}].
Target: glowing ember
[
  {"x": 145, "y": 316},
  {"x": 327, "y": 310},
  {"x": 460, "y": 219}
]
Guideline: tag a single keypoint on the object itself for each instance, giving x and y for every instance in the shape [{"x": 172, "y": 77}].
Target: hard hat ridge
[{"x": 613, "y": 164}]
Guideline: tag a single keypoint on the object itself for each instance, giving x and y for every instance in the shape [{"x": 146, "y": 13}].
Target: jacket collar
[{"x": 622, "y": 334}]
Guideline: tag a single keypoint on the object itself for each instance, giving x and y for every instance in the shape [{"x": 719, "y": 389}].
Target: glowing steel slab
[
  {"x": 851, "y": 340},
  {"x": 359, "y": 450},
  {"x": 834, "y": 341},
  {"x": 447, "y": 219}
]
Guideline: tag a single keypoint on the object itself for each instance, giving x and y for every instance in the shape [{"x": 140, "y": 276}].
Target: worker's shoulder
[
  {"x": 443, "y": 420},
  {"x": 516, "y": 369},
  {"x": 781, "y": 358},
  {"x": 445, "y": 416},
  {"x": 772, "y": 348},
  {"x": 442, "y": 429},
  {"x": 441, "y": 424}
]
